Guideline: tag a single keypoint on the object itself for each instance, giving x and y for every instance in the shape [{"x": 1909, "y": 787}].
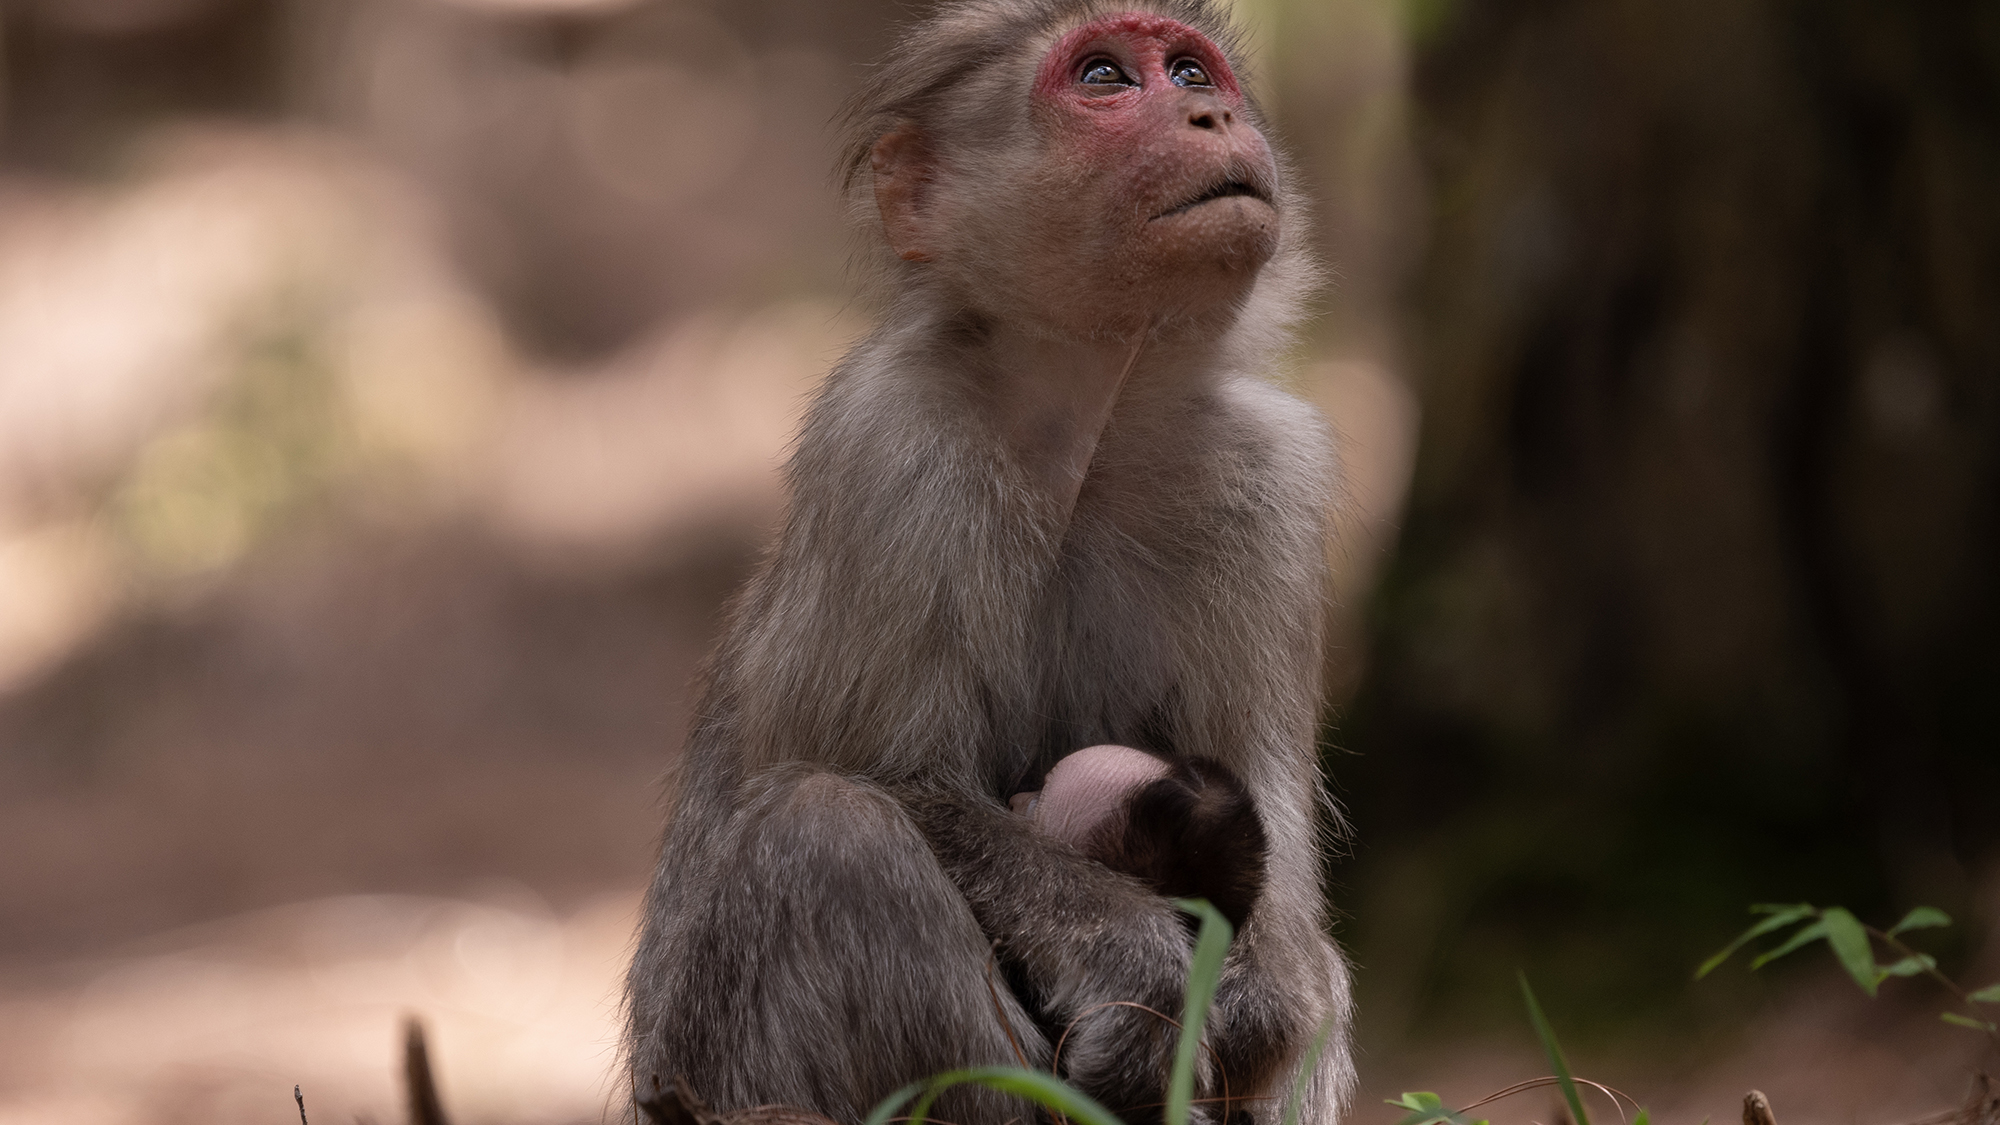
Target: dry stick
[
  {"x": 299, "y": 1097},
  {"x": 425, "y": 1108}
]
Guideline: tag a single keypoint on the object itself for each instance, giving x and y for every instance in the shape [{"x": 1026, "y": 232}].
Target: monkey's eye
[
  {"x": 1104, "y": 72},
  {"x": 1187, "y": 72}
]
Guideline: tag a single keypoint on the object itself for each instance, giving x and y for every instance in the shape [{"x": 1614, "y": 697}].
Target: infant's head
[
  {"x": 1186, "y": 829},
  {"x": 1082, "y": 802}
]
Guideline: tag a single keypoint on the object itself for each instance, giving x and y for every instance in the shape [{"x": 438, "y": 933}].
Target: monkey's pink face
[{"x": 1145, "y": 123}]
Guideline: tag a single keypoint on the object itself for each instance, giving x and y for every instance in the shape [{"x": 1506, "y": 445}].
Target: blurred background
[{"x": 391, "y": 391}]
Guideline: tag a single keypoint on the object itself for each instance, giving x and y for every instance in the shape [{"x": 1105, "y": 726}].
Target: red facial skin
[
  {"x": 1147, "y": 203},
  {"x": 1134, "y": 157},
  {"x": 1147, "y": 40}
]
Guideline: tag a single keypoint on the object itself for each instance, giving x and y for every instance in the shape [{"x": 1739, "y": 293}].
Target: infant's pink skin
[{"x": 1086, "y": 788}]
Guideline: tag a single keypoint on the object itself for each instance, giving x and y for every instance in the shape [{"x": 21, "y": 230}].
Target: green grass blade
[
  {"x": 1306, "y": 1067},
  {"x": 921, "y": 1112},
  {"x": 1800, "y": 936},
  {"x": 1850, "y": 944},
  {"x": 1047, "y": 1090},
  {"x": 887, "y": 1107},
  {"x": 1554, "y": 1051},
  {"x": 1988, "y": 995},
  {"x": 1780, "y": 917},
  {"x": 1209, "y": 948},
  {"x": 1922, "y": 918},
  {"x": 1043, "y": 1089}
]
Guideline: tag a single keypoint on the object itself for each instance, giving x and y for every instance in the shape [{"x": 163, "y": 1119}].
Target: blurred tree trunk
[{"x": 1695, "y": 601}]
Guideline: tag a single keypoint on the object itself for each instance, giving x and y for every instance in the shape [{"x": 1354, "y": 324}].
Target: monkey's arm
[
  {"x": 1196, "y": 833},
  {"x": 1078, "y": 937}
]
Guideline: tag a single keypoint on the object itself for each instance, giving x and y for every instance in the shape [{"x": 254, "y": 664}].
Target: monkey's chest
[{"x": 1116, "y": 647}]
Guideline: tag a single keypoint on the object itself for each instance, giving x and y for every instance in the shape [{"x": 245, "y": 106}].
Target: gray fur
[{"x": 930, "y": 627}]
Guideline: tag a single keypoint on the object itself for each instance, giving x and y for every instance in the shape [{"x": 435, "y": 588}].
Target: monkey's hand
[
  {"x": 1193, "y": 834},
  {"x": 1196, "y": 833},
  {"x": 1281, "y": 983},
  {"x": 1094, "y": 953}
]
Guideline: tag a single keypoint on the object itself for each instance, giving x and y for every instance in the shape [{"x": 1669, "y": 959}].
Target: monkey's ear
[{"x": 901, "y": 163}]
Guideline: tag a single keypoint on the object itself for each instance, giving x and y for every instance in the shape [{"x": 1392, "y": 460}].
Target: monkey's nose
[{"x": 1210, "y": 117}]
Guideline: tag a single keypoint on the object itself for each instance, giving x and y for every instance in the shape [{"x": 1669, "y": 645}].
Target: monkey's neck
[{"x": 1051, "y": 401}]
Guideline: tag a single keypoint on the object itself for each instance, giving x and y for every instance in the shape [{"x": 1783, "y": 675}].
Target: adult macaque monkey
[{"x": 1048, "y": 504}]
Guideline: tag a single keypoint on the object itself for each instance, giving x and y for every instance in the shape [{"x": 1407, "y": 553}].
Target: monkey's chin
[
  {"x": 1236, "y": 231},
  {"x": 1205, "y": 259},
  {"x": 1227, "y": 239}
]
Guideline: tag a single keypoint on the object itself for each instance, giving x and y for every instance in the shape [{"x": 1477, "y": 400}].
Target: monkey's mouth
[{"x": 1223, "y": 190}]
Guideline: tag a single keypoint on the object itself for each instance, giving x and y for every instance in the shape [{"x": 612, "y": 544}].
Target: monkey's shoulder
[
  {"x": 1291, "y": 436},
  {"x": 881, "y": 442},
  {"x": 1243, "y": 445}
]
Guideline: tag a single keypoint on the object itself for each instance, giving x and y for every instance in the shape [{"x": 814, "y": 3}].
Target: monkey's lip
[{"x": 1224, "y": 190}]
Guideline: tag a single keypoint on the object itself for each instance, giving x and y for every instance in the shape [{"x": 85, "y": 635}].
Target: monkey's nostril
[{"x": 1202, "y": 120}]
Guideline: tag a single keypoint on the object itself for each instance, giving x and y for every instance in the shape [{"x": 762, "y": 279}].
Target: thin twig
[
  {"x": 299, "y": 1096},
  {"x": 1095, "y": 1008},
  {"x": 1930, "y": 970},
  {"x": 1209, "y": 1101},
  {"x": 1611, "y": 1092}
]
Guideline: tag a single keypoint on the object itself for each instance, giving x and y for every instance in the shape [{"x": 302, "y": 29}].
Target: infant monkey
[{"x": 1188, "y": 829}]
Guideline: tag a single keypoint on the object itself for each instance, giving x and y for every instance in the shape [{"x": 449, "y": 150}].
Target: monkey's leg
[{"x": 822, "y": 959}]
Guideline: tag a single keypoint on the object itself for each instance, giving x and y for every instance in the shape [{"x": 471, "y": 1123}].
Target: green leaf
[
  {"x": 1306, "y": 1071},
  {"x": 1427, "y": 1109},
  {"x": 1850, "y": 944},
  {"x": 1210, "y": 945},
  {"x": 1801, "y": 936},
  {"x": 1967, "y": 1021},
  {"x": 1922, "y": 918},
  {"x": 1907, "y": 967},
  {"x": 1988, "y": 995},
  {"x": 1554, "y": 1051},
  {"x": 1780, "y": 917},
  {"x": 1642, "y": 1119}
]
